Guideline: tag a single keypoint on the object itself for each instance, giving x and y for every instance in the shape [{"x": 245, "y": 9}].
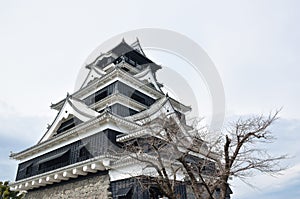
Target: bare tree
[
  {"x": 242, "y": 153},
  {"x": 172, "y": 152}
]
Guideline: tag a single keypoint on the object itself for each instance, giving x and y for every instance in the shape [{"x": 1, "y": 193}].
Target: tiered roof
[{"x": 123, "y": 67}]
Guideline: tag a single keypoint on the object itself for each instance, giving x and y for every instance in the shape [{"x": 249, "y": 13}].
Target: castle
[{"x": 79, "y": 154}]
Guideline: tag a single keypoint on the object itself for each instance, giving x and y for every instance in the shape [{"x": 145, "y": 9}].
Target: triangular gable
[
  {"x": 149, "y": 119},
  {"x": 137, "y": 46},
  {"x": 162, "y": 107},
  {"x": 122, "y": 48},
  {"x": 148, "y": 75},
  {"x": 94, "y": 73},
  {"x": 72, "y": 108}
]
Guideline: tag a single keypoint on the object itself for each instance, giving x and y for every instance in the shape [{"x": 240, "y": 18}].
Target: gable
[
  {"x": 94, "y": 73},
  {"x": 147, "y": 75},
  {"x": 72, "y": 113},
  {"x": 68, "y": 124}
]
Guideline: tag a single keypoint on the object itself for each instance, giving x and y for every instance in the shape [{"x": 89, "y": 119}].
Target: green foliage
[{"x": 6, "y": 193}]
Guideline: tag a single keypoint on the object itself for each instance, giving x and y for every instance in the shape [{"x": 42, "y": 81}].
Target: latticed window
[
  {"x": 77, "y": 151},
  {"x": 101, "y": 94},
  {"x": 54, "y": 161},
  {"x": 70, "y": 123},
  {"x": 134, "y": 94},
  {"x": 122, "y": 110},
  {"x": 28, "y": 169},
  {"x": 84, "y": 153},
  {"x": 121, "y": 88}
]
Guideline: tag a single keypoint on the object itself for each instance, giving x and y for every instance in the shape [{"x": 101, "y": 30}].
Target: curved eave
[
  {"x": 151, "y": 115},
  {"x": 155, "y": 67},
  {"x": 141, "y": 84},
  {"x": 101, "y": 56},
  {"x": 154, "y": 108},
  {"x": 107, "y": 54},
  {"x": 94, "y": 73},
  {"x": 81, "y": 128},
  {"x": 123, "y": 43},
  {"x": 179, "y": 106},
  {"x": 93, "y": 165},
  {"x": 100, "y": 163},
  {"x": 137, "y": 45},
  {"x": 135, "y": 134},
  {"x": 89, "y": 113},
  {"x": 148, "y": 75},
  {"x": 130, "y": 48},
  {"x": 104, "y": 79},
  {"x": 70, "y": 107}
]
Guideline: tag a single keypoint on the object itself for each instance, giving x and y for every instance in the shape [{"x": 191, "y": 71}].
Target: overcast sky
[{"x": 254, "y": 45}]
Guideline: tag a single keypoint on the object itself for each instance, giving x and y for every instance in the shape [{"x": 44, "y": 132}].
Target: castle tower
[{"x": 77, "y": 157}]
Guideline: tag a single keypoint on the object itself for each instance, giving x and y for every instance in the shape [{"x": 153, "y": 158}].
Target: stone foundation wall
[{"x": 92, "y": 186}]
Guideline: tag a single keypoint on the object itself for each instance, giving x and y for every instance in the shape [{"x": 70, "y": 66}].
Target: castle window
[
  {"x": 55, "y": 161},
  {"x": 29, "y": 169},
  {"x": 70, "y": 123},
  {"x": 124, "y": 193},
  {"x": 138, "y": 98},
  {"x": 134, "y": 94},
  {"x": 122, "y": 110},
  {"x": 84, "y": 152},
  {"x": 101, "y": 94},
  {"x": 26, "y": 169}
]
